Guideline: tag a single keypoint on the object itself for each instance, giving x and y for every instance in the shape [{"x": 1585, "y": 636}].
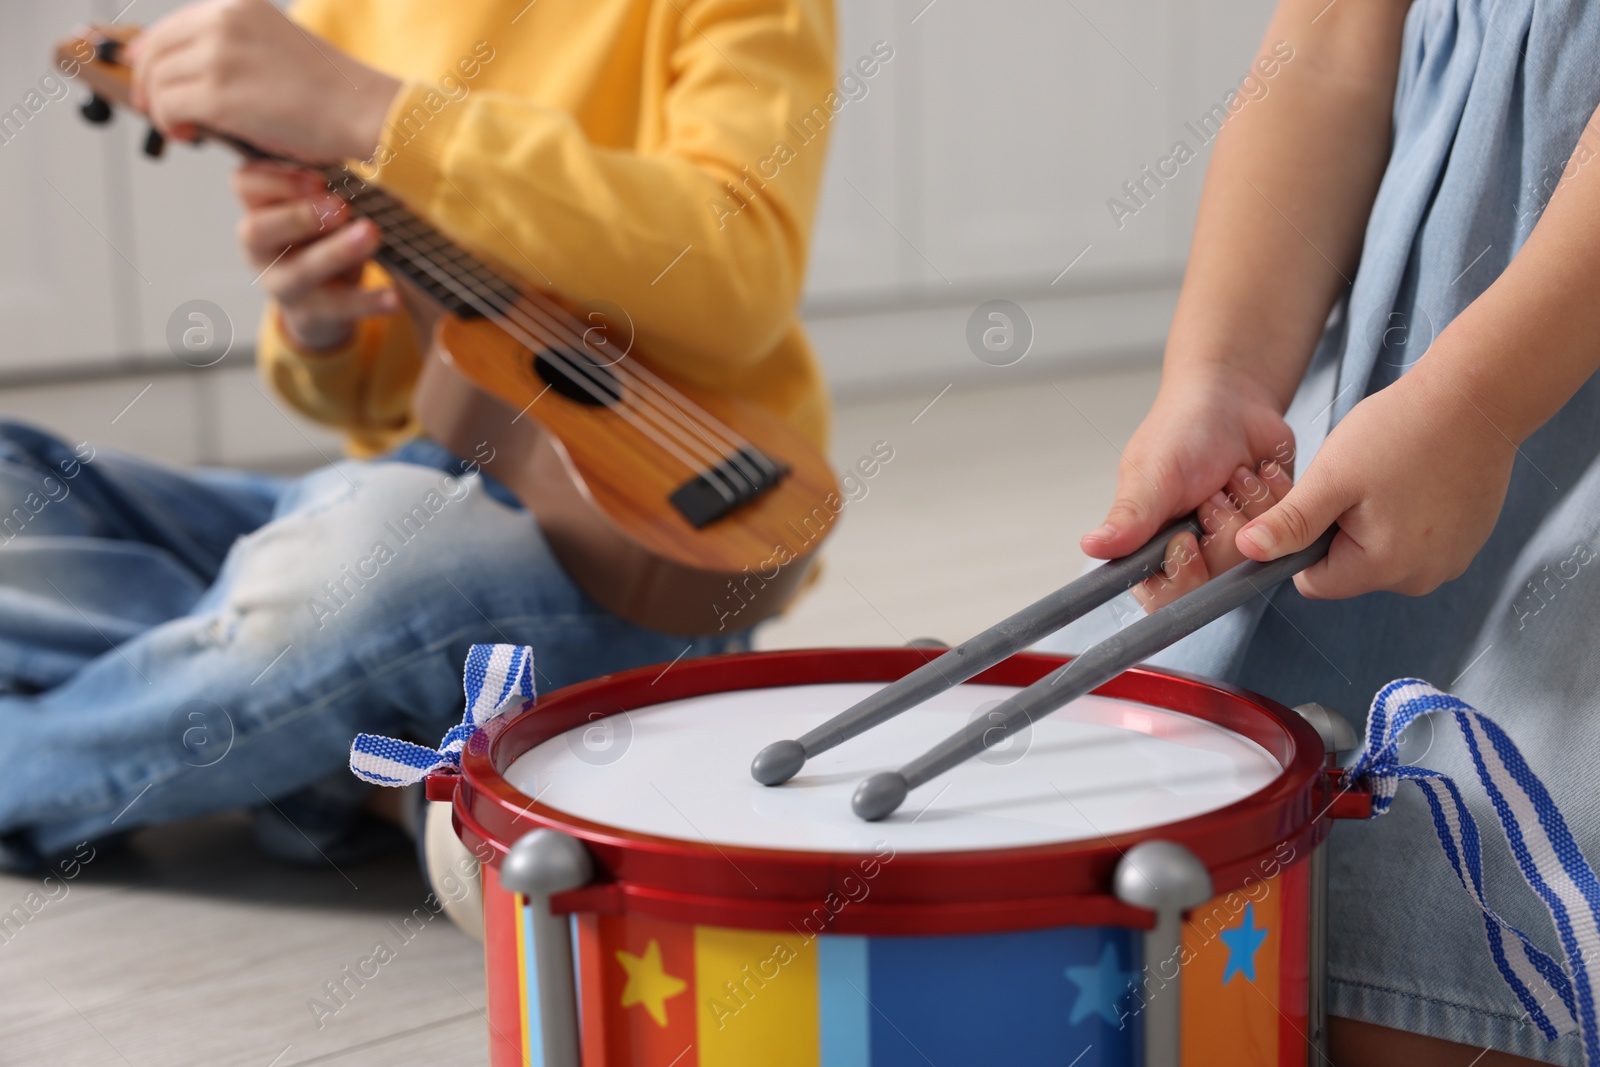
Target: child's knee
[{"x": 360, "y": 540}]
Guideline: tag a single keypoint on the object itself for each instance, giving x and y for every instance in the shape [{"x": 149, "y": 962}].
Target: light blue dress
[{"x": 1493, "y": 98}]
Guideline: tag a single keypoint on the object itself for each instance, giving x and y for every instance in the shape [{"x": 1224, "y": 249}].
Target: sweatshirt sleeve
[{"x": 698, "y": 231}]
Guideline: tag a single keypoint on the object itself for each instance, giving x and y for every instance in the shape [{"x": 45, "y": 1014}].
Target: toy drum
[{"x": 1132, "y": 881}]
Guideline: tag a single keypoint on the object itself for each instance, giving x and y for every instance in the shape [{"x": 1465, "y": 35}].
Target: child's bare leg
[{"x": 1357, "y": 1044}]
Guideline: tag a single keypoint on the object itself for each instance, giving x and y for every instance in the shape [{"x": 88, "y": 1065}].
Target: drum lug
[
  {"x": 1338, "y": 736},
  {"x": 540, "y": 864},
  {"x": 1167, "y": 879}
]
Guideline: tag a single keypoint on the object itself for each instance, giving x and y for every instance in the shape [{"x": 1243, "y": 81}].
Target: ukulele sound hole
[{"x": 575, "y": 375}]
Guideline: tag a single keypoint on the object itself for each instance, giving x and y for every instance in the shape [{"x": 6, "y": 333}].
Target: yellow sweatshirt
[{"x": 662, "y": 155}]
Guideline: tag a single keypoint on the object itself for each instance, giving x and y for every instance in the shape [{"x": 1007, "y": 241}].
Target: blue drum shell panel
[{"x": 1059, "y": 997}]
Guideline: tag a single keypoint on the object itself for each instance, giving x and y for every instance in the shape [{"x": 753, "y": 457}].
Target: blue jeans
[{"x": 177, "y": 643}]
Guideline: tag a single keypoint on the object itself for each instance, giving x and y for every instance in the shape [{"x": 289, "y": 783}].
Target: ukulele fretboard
[{"x": 460, "y": 282}]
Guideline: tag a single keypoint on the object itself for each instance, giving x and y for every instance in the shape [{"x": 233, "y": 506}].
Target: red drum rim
[{"x": 909, "y": 893}]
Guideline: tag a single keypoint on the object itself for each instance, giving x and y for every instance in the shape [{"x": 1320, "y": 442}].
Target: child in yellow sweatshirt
[{"x": 215, "y": 641}]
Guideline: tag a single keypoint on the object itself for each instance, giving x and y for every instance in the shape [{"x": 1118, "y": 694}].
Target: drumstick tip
[
  {"x": 880, "y": 795},
  {"x": 778, "y": 762}
]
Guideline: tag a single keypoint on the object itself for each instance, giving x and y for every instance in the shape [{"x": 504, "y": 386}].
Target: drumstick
[
  {"x": 883, "y": 793},
  {"x": 782, "y": 760}
]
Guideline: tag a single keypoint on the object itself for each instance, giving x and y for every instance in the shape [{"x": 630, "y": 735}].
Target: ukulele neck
[{"x": 440, "y": 269}]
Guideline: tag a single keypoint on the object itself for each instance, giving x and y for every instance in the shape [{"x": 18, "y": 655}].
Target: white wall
[{"x": 977, "y": 166}]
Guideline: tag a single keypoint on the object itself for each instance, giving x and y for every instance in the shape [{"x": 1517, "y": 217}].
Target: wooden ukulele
[{"x": 677, "y": 508}]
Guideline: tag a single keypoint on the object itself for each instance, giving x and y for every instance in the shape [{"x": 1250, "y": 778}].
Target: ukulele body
[{"x": 600, "y": 488}]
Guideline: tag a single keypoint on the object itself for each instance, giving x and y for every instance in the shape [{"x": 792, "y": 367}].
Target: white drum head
[{"x": 1096, "y": 768}]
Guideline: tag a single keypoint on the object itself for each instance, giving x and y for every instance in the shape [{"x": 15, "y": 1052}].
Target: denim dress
[{"x": 1491, "y": 116}]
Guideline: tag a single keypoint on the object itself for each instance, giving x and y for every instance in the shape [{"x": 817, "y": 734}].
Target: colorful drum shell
[{"x": 1014, "y": 955}]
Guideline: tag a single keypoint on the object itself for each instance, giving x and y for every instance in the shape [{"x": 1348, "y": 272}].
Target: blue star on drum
[
  {"x": 1101, "y": 987},
  {"x": 1243, "y": 942}
]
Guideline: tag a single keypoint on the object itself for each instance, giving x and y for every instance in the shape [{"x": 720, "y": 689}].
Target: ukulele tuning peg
[
  {"x": 96, "y": 110},
  {"x": 154, "y": 143}
]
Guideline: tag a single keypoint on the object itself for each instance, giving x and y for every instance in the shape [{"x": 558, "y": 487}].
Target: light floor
[{"x": 185, "y": 947}]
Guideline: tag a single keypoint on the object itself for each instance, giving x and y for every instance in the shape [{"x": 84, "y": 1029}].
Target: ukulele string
[
  {"x": 554, "y": 321},
  {"x": 661, "y": 393},
  {"x": 665, "y": 417},
  {"x": 632, "y": 415},
  {"x": 734, "y": 450},
  {"x": 550, "y": 322},
  {"x": 547, "y": 319},
  {"x": 623, "y": 400},
  {"x": 393, "y": 218},
  {"x": 722, "y": 468}
]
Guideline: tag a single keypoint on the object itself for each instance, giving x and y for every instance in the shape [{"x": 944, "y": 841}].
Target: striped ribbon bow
[
  {"x": 1557, "y": 1000},
  {"x": 498, "y": 679}
]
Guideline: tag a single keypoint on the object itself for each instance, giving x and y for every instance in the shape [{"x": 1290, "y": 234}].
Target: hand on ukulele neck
[{"x": 241, "y": 71}]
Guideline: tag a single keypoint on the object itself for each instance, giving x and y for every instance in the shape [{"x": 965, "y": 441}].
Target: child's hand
[
  {"x": 1415, "y": 477},
  {"x": 308, "y": 254},
  {"x": 1212, "y": 443},
  {"x": 241, "y": 67}
]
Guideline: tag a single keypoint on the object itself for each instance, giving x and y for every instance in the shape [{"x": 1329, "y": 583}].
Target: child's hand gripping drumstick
[{"x": 1414, "y": 477}]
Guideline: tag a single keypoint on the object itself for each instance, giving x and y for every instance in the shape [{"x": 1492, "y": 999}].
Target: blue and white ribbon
[
  {"x": 1558, "y": 1000},
  {"x": 498, "y": 679}
]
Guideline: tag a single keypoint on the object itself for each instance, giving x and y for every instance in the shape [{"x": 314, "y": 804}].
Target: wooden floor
[
  {"x": 183, "y": 946},
  {"x": 978, "y": 513}
]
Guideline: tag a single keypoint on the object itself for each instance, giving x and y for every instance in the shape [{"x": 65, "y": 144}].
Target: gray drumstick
[
  {"x": 782, "y": 760},
  {"x": 883, "y": 793}
]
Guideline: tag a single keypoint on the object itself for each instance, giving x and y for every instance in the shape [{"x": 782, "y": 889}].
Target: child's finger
[
  {"x": 1142, "y": 507},
  {"x": 1278, "y": 475},
  {"x": 1129, "y": 524},
  {"x": 322, "y": 260},
  {"x": 1222, "y": 520},
  {"x": 1313, "y": 505},
  {"x": 1253, "y": 495},
  {"x": 258, "y": 184},
  {"x": 266, "y": 231},
  {"x": 347, "y": 303},
  {"x": 1346, "y": 571},
  {"x": 1183, "y": 570}
]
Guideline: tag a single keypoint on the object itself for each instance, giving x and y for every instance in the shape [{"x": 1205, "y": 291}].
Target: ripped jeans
[{"x": 176, "y": 643}]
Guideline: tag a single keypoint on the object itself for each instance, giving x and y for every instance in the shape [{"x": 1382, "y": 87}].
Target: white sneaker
[{"x": 451, "y": 869}]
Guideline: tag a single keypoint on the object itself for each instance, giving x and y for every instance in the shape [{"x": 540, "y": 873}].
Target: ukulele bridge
[{"x": 737, "y": 480}]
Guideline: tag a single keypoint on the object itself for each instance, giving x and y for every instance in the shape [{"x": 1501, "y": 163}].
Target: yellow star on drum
[{"x": 648, "y": 983}]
